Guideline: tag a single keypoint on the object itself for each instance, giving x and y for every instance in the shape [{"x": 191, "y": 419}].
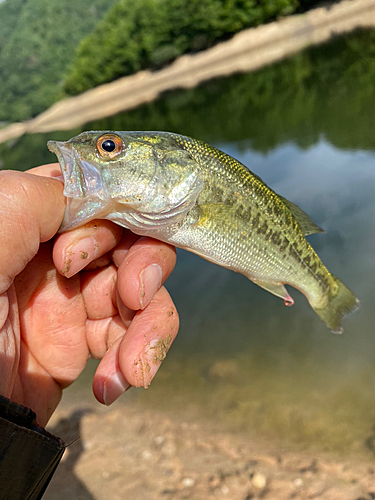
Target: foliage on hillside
[
  {"x": 137, "y": 34},
  {"x": 326, "y": 91},
  {"x": 37, "y": 41},
  {"x": 9, "y": 13},
  {"x": 39, "y": 38}
]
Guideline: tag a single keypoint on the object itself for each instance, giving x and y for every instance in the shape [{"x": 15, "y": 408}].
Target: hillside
[
  {"x": 37, "y": 42},
  {"x": 139, "y": 34},
  {"x": 49, "y": 48}
]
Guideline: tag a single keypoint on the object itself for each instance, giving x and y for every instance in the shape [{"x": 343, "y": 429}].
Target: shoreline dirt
[
  {"x": 246, "y": 51},
  {"x": 129, "y": 452}
]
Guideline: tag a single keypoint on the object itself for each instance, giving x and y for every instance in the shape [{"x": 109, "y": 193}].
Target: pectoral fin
[
  {"x": 277, "y": 289},
  {"x": 217, "y": 212}
]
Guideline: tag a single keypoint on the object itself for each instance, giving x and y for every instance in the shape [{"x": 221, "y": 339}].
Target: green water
[{"x": 307, "y": 127}]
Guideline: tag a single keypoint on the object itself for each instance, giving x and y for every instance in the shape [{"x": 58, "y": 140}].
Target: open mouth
[
  {"x": 83, "y": 187},
  {"x": 74, "y": 184},
  {"x": 59, "y": 148}
]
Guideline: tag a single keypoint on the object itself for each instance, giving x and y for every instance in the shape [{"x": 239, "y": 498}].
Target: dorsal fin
[{"x": 307, "y": 225}]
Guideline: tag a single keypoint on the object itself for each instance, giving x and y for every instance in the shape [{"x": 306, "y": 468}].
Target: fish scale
[
  {"x": 194, "y": 196},
  {"x": 213, "y": 161}
]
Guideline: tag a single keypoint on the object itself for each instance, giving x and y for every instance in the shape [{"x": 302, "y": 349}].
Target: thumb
[{"x": 31, "y": 211}]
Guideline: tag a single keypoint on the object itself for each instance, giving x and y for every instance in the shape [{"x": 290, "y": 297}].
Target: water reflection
[
  {"x": 306, "y": 126},
  {"x": 327, "y": 90}
]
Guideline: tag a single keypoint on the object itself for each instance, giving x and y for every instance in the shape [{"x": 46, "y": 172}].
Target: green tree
[{"x": 137, "y": 34}]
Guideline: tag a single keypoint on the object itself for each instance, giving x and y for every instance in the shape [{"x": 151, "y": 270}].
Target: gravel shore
[{"x": 127, "y": 452}]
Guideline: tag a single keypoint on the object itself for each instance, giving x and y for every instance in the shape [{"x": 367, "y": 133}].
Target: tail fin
[{"x": 341, "y": 302}]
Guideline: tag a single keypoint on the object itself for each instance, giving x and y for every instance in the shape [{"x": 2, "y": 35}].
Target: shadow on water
[{"x": 69, "y": 429}]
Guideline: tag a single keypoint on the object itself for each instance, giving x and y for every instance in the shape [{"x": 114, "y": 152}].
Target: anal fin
[{"x": 277, "y": 289}]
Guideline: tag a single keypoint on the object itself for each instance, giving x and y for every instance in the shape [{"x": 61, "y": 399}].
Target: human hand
[{"x": 53, "y": 315}]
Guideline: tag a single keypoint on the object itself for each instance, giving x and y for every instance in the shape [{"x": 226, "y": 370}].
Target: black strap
[{"x": 29, "y": 454}]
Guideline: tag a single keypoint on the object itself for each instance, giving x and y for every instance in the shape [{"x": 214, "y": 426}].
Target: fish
[{"x": 192, "y": 195}]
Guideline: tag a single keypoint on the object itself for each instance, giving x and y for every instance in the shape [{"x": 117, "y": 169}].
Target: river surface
[{"x": 306, "y": 126}]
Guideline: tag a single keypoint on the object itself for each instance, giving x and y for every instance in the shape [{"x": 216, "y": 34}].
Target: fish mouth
[
  {"x": 67, "y": 160},
  {"x": 83, "y": 187},
  {"x": 58, "y": 148}
]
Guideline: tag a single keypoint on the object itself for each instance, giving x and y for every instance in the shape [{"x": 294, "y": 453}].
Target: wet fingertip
[
  {"x": 114, "y": 386},
  {"x": 79, "y": 255}
]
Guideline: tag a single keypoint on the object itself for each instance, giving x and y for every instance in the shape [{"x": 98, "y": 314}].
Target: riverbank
[{"x": 247, "y": 51}]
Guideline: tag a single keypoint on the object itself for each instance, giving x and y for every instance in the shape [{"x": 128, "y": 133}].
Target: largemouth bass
[{"x": 194, "y": 196}]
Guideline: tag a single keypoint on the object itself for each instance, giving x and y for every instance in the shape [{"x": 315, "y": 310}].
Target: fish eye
[{"x": 109, "y": 145}]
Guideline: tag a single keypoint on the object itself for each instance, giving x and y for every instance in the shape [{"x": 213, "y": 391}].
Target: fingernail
[
  {"x": 113, "y": 387},
  {"x": 152, "y": 358},
  {"x": 79, "y": 255},
  {"x": 150, "y": 280}
]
